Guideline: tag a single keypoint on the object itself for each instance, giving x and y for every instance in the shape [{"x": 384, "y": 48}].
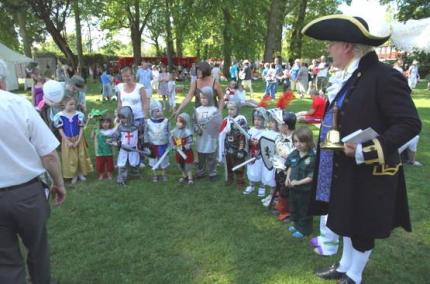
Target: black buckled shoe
[
  {"x": 346, "y": 280},
  {"x": 330, "y": 273}
]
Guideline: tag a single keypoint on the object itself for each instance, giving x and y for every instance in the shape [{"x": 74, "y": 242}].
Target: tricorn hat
[{"x": 343, "y": 28}]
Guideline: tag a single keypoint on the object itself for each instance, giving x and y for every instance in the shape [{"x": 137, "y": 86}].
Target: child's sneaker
[
  {"x": 248, "y": 190},
  {"x": 298, "y": 235},
  {"x": 261, "y": 192},
  {"x": 183, "y": 179},
  {"x": 190, "y": 181},
  {"x": 82, "y": 178},
  {"x": 266, "y": 201},
  {"x": 292, "y": 229},
  {"x": 263, "y": 200}
]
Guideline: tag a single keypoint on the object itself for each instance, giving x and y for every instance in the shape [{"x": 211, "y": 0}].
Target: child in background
[
  {"x": 163, "y": 80},
  {"x": 206, "y": 117},
  {"x": 106, "y": 81},
  {"x": 116, "y": 80},
  {"x": 156, "y": 137},
  {"x": 229, "y": 91},
  {"x": 300, "y": 164},
  {"x": 74, "y": 153},
  {"x": 37, "y": 90},
  {"x": 103, "y": 150},
  {"x": 240, "y": 97},
  {"x": 182, "y": 140},
  {"x": 254, "y": 169},
  {"x": 171, "y": 89}
]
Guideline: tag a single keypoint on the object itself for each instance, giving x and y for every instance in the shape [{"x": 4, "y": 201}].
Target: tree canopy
[{"x": 252, "y": 29}]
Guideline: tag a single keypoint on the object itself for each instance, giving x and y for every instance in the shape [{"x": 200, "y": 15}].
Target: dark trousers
[
  {"x": 299, "y": 202},
  {"x": 233, "y": 161},
  {"x": 24, "y": 212}
]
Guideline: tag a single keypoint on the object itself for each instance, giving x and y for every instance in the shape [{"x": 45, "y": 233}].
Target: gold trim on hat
[{"x": 353, "y": 20}]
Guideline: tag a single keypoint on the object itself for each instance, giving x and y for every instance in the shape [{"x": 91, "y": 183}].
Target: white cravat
[{"x": 339, "y": 79}]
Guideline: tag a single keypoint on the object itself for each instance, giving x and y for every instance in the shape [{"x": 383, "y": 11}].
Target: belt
[{"x": 13, "y": 187}]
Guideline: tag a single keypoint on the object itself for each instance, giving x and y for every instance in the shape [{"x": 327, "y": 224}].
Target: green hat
[{"x": 96, "y": 113}]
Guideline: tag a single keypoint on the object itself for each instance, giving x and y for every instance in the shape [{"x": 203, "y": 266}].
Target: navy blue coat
[{"x": 369, "y": 200}]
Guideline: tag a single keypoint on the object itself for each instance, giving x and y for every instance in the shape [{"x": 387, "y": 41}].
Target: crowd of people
[{"x": 268, "y": 154}]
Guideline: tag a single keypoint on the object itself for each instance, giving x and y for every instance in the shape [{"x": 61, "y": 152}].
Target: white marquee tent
[{"x": 13, "y": 61}]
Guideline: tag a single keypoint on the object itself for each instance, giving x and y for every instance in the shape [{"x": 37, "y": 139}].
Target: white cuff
[{"x": 359, "y": 158}]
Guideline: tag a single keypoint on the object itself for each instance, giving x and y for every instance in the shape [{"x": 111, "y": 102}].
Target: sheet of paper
[{"x": 360, "y": 136}]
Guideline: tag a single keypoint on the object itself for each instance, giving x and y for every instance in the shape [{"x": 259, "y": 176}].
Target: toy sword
[{"x": 244, "y": 164}]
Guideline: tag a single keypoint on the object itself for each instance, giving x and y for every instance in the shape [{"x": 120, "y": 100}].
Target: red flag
[
  {"x": 285, "y": 99},
  {"x": 265, "y": 101}
]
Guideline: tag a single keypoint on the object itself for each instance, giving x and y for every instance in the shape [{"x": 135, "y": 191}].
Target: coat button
[
  {"x": 335, "y": 176},
  {"x": 336, "y": 165}
]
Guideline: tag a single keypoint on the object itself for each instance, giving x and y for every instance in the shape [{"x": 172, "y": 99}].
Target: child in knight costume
[
  {"x": 232, "y": 143},
  {"x": 267, "y": 144},
  {"x": 206, "y": 124},
  {"x": 255, "y": 168},
  {"x": 156, "y": 138},
  {"x": 181, "y": 139},
  {"x": 283, "y": 147},
  {"x": 126, "y": 138}
]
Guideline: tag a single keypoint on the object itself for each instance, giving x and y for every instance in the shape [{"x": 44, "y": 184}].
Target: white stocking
[
  {"x": 359, "y": 261},
  {"x": 346, "y": 260}
]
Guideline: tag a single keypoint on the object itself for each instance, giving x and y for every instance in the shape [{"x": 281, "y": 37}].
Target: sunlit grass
[{"x": 209, "y": 233}]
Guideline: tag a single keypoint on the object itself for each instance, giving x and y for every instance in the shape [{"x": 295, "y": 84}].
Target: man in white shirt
[
  {"x": 216, "y": 72},
  {"x": 28, "y": 150},
  {"x": 144, "y": 77},
  {"x": 322, "y": 76}
]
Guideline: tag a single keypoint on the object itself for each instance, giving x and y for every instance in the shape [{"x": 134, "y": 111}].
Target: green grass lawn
[{"x": 209, "y": 233}]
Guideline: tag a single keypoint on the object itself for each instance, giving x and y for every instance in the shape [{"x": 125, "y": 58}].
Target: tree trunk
[
  {"x": 179, "y": 47},
  {"x": 273, "y": 44},
  {"x": 169, "y": 38},
  {"x": 76, "y": 11},
  {"x": 20, "y": 15},
  {"x": 136, "y": 34},
  {"x": 227, "y": 37},
  {"x": 61, "y": 42},
  {"x": 136, "y": 39},
  {"x": 296, "y": 35},
  {"x": 43, "y": 12},
  {"x": 157, "y": 47},
  {"x": 90, "y": 38}
]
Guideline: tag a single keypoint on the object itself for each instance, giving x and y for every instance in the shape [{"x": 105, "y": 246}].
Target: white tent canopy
[{"x": 12, "y": 59}]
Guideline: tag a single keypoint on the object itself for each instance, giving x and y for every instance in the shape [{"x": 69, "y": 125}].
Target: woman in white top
[{"x": 132, "y": 94}]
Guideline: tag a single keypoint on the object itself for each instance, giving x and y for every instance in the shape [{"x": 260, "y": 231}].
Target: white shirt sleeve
[{"x": 41, "y": 137}]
